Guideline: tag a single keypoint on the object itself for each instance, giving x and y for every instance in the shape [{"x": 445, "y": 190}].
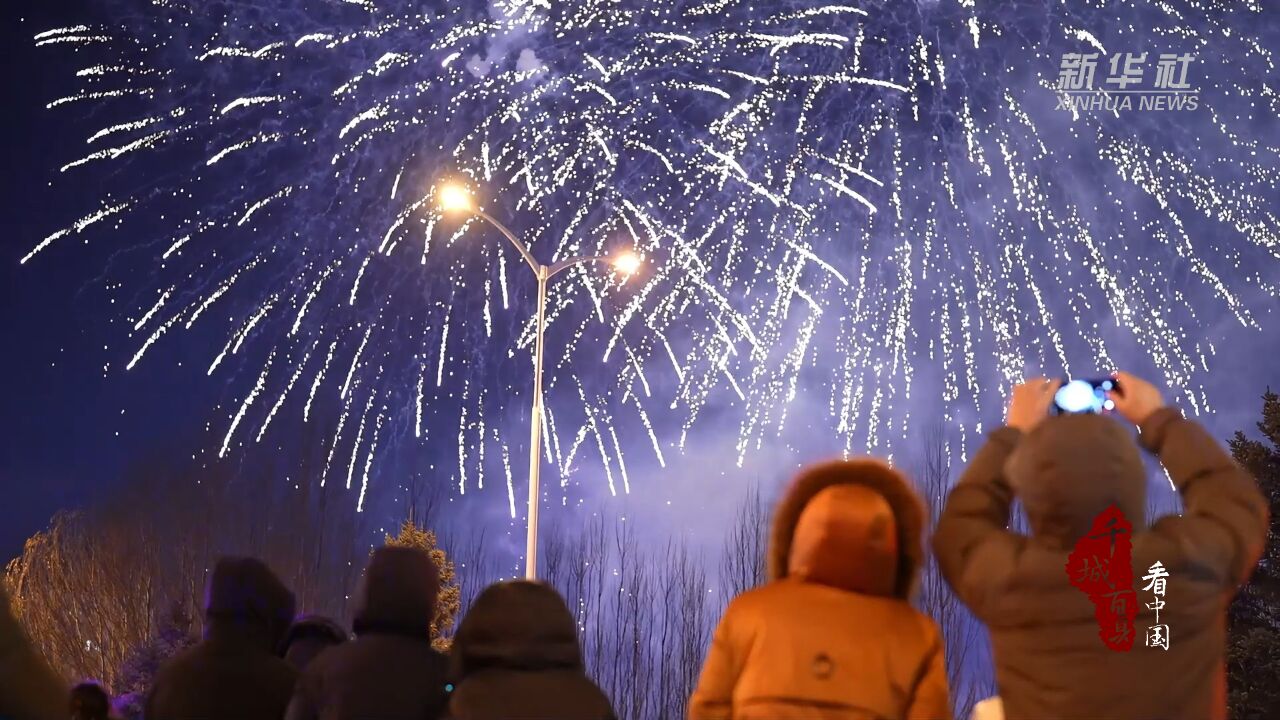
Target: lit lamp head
[
  {"x": 627, "y": 262},
  {"x": 456, "y": 199}
]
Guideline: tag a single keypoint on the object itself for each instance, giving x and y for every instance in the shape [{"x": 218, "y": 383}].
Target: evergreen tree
[
  {"x": 449, "y": 601},
  {"x": 139, "y": 669},
  {"x": 1253, "y": 649}
]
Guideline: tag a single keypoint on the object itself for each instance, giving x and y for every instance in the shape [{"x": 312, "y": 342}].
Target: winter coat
[
  {"x": 29, "y": 690},
  {"x": 1050, "y": 659},
  {"x": 516, "y": 655},
  {"x": 832, "y": 634},
  {"x": 390, "y": 671},
  {"x": 233, "y": 672}
]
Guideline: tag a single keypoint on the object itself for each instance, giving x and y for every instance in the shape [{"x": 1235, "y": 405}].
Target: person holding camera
[{"x": 1059, "y": 651}]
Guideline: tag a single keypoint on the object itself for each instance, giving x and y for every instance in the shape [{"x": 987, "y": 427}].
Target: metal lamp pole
[{"x": 543, "y": 273}]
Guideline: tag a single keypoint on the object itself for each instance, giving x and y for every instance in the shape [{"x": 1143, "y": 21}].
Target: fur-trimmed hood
[{"x": 868, "y": 473}]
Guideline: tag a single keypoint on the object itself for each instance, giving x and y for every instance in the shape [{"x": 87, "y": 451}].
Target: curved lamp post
[{"x": 456, "y": 199}]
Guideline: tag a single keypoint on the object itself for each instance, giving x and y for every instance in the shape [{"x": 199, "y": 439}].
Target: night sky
[
  {"x": 69, "y": 429},
  {"x": 60, "y": 416}
]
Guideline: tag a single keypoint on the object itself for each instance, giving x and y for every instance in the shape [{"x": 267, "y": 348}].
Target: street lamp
[{"x": 457, "y": 199}]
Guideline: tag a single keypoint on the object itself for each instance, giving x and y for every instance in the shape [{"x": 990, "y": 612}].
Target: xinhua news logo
[{"x": 1131, "y": 82}]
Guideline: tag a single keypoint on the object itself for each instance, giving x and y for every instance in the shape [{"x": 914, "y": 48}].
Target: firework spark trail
[
  {"x": 244, "y": 406},
  {"x": 506, "y": 471},
  {"x": 869, "y": 207},
  {"x": 368, "y": 463},
  {"x": 164, "y": 296},
  {"x": 355, "y": 446},
  {"x": 78, "y": 227},
  {"x": 297, "y": 373},
  {"x": 319, "y": 378}
]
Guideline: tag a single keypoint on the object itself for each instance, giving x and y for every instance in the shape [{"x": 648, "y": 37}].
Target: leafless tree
[
  {"x": 554, "y": 555},
  {"x": 424, "y": 499},
  {"x": 742, "y": 559},
  {"x": 474, "y": 566},
  {"x": 686, "y": 593},
  {"x": 631, "y": 618},
  {"x": 645, "y": 615},
  {"x": 85, "y": 597},
  {"x": 666, "y": 639},
  {"x": 591, "y": 556},
  {"x": 963, "y": 637}
]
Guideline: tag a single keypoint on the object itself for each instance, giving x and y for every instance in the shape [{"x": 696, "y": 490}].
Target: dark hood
[
  {"x": 397, "y": 594},
  {"x": 854, "y": 524},
  {"x": 315, "y": 626},
  {"x": 1072, "y": 467},
  {"x": 517, "y": 625},
  {"x": 245, "y": 598}
]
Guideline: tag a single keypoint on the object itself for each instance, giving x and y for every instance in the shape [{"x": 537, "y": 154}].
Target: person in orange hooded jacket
[{"x": 832, "y": 635}]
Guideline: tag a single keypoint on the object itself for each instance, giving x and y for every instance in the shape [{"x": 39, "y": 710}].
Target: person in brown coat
[
  {"x": 1050, "y": 656},
  {"x": 832, "y": 634},
  {"x": 390, "y": 671},
  {"x": 234, "y": 671}
]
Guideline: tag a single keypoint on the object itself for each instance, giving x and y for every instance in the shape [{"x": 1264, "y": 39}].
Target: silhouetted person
[
  {"x": 308, "y": 636},
  {"x": 832, "y": 633},
  {"x": 390, "y": 671},
  {"x": 234, "y": 671},
  {"x": 516, "y": 655},
  {"x": 29, "y": 690},
  {"x": 89, "y": 702},
  {"x": 1050, "y": 656}
]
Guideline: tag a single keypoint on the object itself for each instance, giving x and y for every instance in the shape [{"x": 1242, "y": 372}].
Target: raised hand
[
  {"x": 1030, "y": 403},
  {"x": 1135, "y": 398}
]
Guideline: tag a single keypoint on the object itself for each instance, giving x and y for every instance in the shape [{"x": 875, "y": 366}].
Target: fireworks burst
[{"x": 865, "y": 205}]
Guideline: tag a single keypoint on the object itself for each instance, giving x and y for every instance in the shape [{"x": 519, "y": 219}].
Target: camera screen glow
[{"x": 1080, "y": 396}]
